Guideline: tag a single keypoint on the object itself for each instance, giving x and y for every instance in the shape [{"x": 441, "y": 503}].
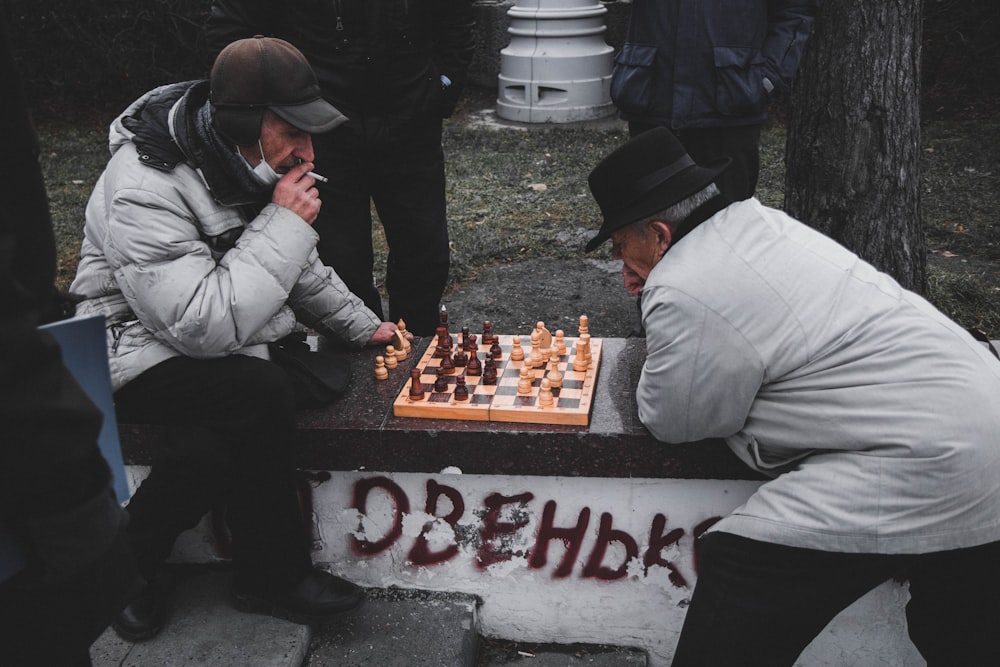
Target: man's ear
[{"x": 663, "y": 234}]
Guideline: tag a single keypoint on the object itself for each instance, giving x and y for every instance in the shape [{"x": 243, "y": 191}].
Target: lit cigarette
[{"x": 321, "y": 179}]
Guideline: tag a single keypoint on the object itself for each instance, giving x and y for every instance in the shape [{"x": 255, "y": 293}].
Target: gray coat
[
  {"x": 877, "y": 416},
  {"x": 146, "y": 266}
]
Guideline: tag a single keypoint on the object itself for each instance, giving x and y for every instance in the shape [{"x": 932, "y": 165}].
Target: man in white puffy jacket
[
  {"x": 199, "y": 251},
  {"x": 877, "y": 417}
]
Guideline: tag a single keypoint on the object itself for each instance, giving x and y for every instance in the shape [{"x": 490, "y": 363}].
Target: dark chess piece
[
  {"x": 447, "y": 366},
  {"x": 487, "y": 333},
  {"x": 495, "y": 350},
  {"x": 416, "y": 386},
  {"x": 441, "y": 383},
  {"x": 461, "y": 390},
  {"x": 473, "y": 366},
  {"x": 460, "y": 358},
  {"x": 470, "y": 344},
  {"x": 489, "y": 371},
  {"x": 443, "y": 342}
]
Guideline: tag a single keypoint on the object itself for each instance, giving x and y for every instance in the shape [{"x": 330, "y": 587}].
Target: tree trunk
[{"x": 853, "y": 150}]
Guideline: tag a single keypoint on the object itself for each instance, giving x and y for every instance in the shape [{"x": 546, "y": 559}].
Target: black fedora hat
[
  {"x": 646, "y": 174},
  {"x": 258, "y": 73}
]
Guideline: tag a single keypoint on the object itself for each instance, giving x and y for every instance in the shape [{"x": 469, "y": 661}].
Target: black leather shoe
[
  {"x": 143, "y": 617},
  {"x": 316, "y": 597}
]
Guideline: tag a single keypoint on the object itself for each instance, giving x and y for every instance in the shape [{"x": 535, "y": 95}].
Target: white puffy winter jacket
[{"x": 146, "y": 266}]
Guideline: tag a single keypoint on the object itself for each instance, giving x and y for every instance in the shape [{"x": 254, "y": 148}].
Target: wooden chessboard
[{"x": 501, "y": 402}]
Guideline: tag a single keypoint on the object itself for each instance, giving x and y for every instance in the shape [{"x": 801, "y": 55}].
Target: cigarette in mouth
[{"x": 321, "y": 179}]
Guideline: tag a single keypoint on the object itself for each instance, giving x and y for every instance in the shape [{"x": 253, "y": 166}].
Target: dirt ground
[{"x": 555, "y": 291}]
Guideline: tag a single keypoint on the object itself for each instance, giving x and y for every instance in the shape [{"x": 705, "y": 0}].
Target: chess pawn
[
  {"x": 496, "y": 352},
  {"x": 470, "y": 344},
  {"x": 460, "y": 358},
  {"x": 487, "y": 333},
  {"x": 474, "y": 366},
  {"x": 416, "y": 386},
  {"x": 560, "y": 343},
  {"x": 584, "y": 324},
  {"x": 461, "y": 390},
  {"x": 555, "y": 377},
  {"x": 380, "y": 372},
  {"x": 489, "y": 371},
  {"x": 517, "y": 352},
  {"x": 390, "y": 357},
  {"x": 545, "y": 398},
  {"x": 441, "y": 383},
  {"x": 524, "y": 381}
]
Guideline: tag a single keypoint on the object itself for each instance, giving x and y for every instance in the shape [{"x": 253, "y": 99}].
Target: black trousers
[
  {"x": 399, "y": 167},
  {"x": 231, "y": 439},
  {"x": 707, "y": 144},
  {"x": 757, "y": 603}
]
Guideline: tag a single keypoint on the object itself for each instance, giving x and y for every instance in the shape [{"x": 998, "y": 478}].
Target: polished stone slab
[{"x": 360, "y": 432}]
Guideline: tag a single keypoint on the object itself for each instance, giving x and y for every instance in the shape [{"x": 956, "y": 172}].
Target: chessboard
[{"x": 503, "y": 401}]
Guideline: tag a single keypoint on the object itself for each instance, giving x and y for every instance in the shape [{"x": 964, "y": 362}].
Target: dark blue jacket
[{"x": 708, "y": 63}]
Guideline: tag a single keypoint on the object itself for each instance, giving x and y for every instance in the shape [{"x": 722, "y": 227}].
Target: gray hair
[{"x": 674, "y": 215}]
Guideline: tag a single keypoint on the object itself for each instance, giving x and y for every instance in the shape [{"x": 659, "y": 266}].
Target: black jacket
[
  {"x": 56, "y": 503},
  {"x": 372, "y": 57}
]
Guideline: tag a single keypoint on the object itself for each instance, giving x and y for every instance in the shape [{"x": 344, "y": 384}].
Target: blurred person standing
[
  {"x": 58, "y": 510},
  {"x": 395, "y": 68},
  {"x": 707, "y": 72}
]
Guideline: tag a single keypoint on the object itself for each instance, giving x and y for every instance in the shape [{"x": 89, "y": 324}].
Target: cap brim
[
  {"x": 315, "y": 117},
  {"x": 666, "y": 195}
]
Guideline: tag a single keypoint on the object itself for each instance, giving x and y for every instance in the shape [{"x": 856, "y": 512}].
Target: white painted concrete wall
[{"x": 598, "y": 596}]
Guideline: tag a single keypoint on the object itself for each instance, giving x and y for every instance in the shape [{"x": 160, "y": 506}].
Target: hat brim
[
  {"x": 671, "y": 191},
  {"x": 315, "y": 117}
]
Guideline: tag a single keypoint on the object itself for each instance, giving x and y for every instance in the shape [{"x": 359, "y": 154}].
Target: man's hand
[
  {"x": 383, "y": 335},
  {"x": 295, "y": 192}
]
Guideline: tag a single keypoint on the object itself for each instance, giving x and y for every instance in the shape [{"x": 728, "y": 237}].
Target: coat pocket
[
  {"x": 633, "y": 83},
  {"x": 739, "y": 81}
]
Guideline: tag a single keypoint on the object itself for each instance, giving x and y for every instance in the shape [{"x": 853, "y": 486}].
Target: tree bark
[{"x": 853, "y": 149}]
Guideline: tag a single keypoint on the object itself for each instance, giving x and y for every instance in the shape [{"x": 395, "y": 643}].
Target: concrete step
[
  {"x": 400, "y": 628},
  {"x": 391, "y": 629},
  {"x": 496, "y": 653}
]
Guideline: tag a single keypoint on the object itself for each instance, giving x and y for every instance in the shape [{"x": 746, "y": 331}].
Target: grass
[{"x": 523, "y": 194}]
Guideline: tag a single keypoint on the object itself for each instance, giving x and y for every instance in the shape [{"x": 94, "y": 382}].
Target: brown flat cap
[{"x": 265, "y": 73}]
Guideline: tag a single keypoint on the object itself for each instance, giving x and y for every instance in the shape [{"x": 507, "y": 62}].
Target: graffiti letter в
[{"x": 421, "y": 553}]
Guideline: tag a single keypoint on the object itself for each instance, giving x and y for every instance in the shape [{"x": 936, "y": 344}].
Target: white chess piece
[{"x": 380, "y": 372}]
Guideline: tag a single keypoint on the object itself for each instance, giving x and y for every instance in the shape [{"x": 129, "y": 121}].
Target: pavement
[{"x": 392, "y": 628}]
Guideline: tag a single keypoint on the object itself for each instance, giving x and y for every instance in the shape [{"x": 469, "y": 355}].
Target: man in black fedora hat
[
  {"x": 877, "y": 418},
  {"x": 199, "y": 252}
]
